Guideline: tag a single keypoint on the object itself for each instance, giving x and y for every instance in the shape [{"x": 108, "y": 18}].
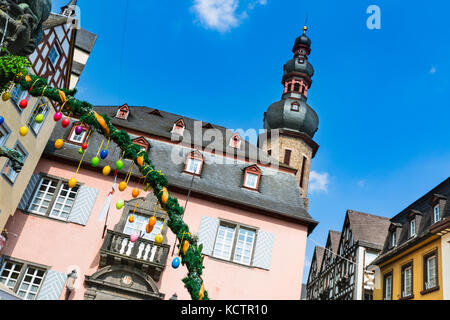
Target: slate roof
[
  {"x": 141, "y": 117},
  {"x": 278, "y": 193},
  {"x": 85, "y": 40},
  {"x": 368, "y": 228},
  {"x": 424, "y": 221},
  {"x": 319, "y": 252},
  {"x": 335, "y": 236}
]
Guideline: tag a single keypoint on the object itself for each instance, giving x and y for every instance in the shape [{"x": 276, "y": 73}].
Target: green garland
[{"x": 193, "y": 258}]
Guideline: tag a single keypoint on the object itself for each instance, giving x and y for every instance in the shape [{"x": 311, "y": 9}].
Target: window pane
[
  {"x": 41, "y": 200},
  {"x": 244, "y": 246},
  {"x": 10, "y": 273},
  {"x": 31, "y": 283},
  {"x": 224, "y": 242},
  {"x": 251, "y": 180},
  {"x": 63, "y": 204}
]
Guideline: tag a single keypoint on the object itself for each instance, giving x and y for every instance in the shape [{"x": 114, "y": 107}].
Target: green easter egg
[
  {"x": 39, "y": 118},
  {"x": 95, "y": 161},
  {"x": 119, "y": 164}
]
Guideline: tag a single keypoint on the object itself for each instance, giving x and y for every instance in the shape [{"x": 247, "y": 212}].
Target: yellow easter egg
[
  {"x": 159, "y": 239},
  {"x": 23, "y": 131},
  {"x": 122, "y": 186},
  {"x": 72, "y": 183},
  {"x": 131, "y": 219},
  {"x": 59, "y": 144},
  {"x": 106, "y": 170}
]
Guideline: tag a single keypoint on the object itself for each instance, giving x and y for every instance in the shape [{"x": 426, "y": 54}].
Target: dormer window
[
  {"x": 194, "y": 163},
  {"x": 295, "y": 106},
  {"x": 412, "y": 228},
  {"x": 437, "y": 213},
  {"x": 235, "y": 141},
  {"x": 123, "y": 112},
  {"x": 393, "y": 238},
  {"x": 178, "y": 127},
  {"x": 297, "y": 87},
  {"x": 252, "y": 176},
  {"x": 78, "y": 139},
  {"x": 142, "y": 142}
]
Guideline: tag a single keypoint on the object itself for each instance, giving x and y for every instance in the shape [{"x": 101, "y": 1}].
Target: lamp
[{"x": 70, "y": 282}]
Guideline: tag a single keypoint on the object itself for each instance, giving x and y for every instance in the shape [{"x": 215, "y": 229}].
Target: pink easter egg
[{"x": 134, "y": 237}]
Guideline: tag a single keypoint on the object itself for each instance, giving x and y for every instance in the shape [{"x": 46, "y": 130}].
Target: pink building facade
[{"x": 244, "y": 206}]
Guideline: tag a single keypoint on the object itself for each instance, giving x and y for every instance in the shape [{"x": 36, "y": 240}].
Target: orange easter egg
[
  {"x": 185, "y": 246},
  {"x": 131, "y": 219},
  {"x": 122, "y": 186},
  {"x": 149, "y": 228},
  {"x": 152, "y": 221},
  {"x": 140, "y": 161},
  {"x": 165, "y": 195},
  {"x": 135, "y": 193}
]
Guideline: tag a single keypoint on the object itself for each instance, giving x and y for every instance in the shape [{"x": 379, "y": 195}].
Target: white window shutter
[
  {"x": 29, "y": 192},
  {"x": 263, "y": 250},
  {"x": 52, "y": 286},
  {"x": 83, "y": 205},
  {"x": 207, "y": 234}
]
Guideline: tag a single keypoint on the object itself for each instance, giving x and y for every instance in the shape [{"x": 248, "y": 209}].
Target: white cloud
[
  {"x": 318, "y": 182},
  {"x": 433, "y": 70},
  {"x": 222, "y": 15},
  {"x": 361, "y": 183}
]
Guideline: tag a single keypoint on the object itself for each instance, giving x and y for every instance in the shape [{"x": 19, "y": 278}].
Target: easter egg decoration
[
  {"x": 23, "y": 131},
  {"x": 149, "y": 228},
  {"x": 84, "y": 146},
  {"x": 201, "y": 294},
  {"x": 104, "y": 154},
  {"x": 27, "y": 78},
  {"x": 95, "y": 161},
  {"x": 165, "y": 195},
  {"x": 134, "y": 237},
  {"x": 1, "y": 120},
  {"x": 140, "y": 161},
  {"x": 176, "y": 263},
  {"x": 65, "y": 123},
  {"x": 59, "y": 144},
  {"x": 80, "y": 151},
  {"x": 119, "y": 164},
  {"x": 185, "y": 246},
  {"x": 6, "y": 96},
  {"x": 23, "y": 103},
  {"x": 39, "y": 118},
  {"x": 106, "y": 171},
  {"x": 72, "y": 183},
  {"x": 135, "y": 193},
  {"x": 122, "y": 186},
  {"x": 120, "y": 204},
  {"x": 152, "y": 221},
  {"x": 57, "y": 116},
  {"x": 131, "y": 219},
  {"x": 159, "y": 239},
  {"x": 78, "y": 130}
]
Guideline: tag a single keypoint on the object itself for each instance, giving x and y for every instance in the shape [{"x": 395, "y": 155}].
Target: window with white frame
[
  {"x": 8, "y": 171},
  {"x": 193, "y": 165},
  {"x": 54, "y": 55},
  {"x": 412, "y": 228},
  {"x": 139, "y": 226},
  {"x": 251, "y": 180},
  {"x": 4, "y": 134},
  {"x": 407, "y": 273},
  {"x": 43, "y": 109},
  {"x": 436, "y": 213},
  {"x": 53, "y": 198},
  {"x": 235, "y": 243},
  {"x": 430, "y": 271},
  {"x": 78, "y": 138},
  {"x": 387, "y": 287},
  {"x": 393, "y": 238},
  {"x": 22, "y": 278}
]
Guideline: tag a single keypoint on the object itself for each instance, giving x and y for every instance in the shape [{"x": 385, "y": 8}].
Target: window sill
[
  {"x": 407, "y": 298},
  {"x": 426, "y": 291},
  {"x": 251, "y": 189},
  {"x": 192, "y": 173},
  {"x": 232, "y": 262}
]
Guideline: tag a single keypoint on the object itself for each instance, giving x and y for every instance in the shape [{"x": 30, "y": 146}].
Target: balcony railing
[{"x": 143, "y": 254}]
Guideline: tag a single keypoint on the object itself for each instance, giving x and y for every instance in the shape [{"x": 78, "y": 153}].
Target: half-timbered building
[
  {"x": 312, "y": 286},
  {"x": 343, "y": 274}
]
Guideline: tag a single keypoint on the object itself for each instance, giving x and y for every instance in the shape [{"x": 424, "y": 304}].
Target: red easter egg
[
  {"x": 84, "y": 146},
  {"x": 65, "y": 122},
  {"x": 57, "y": 116},
  {"x": 23, "y": 103}
]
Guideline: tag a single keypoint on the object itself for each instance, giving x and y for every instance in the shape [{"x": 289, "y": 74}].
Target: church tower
[{"x": 291, "y": 123}]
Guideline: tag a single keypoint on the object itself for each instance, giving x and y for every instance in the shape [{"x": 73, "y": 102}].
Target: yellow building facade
[{"x": 415, "y": 257}]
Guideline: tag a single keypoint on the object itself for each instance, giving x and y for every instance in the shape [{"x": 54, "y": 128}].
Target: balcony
[{"x": 143, "y": 254}]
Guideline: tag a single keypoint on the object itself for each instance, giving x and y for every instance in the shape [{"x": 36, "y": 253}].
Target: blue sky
[{"x": 381, "y": 95}]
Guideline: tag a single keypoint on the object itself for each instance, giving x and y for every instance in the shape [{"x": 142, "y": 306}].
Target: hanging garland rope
[{"x": 192, "y": 258}]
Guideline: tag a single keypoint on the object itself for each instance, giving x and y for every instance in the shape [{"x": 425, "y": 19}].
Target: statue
[
  {"x": 21, "y": 24},
  {"x": 15, "y": 156}
]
